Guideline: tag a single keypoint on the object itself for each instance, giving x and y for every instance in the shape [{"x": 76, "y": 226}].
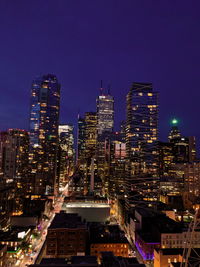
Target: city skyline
[
  {"x": 169, "y": 59},
  {"x": 99, "y": 133},
  {"x": 117, "y": 123}
]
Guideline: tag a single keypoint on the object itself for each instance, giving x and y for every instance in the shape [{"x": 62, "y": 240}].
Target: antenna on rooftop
[
  {"x": 101, "y": 88},
  {"x": 109, "y": 88}
]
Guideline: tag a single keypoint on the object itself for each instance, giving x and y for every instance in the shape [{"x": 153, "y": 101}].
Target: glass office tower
[
  {"x": 44, "y": 121},
  {"x": 105, "y": 113},
  {"x": 66, "y": 153},
  {"x": 142, "y": 127},
  {"x": 141, "y": 143}
]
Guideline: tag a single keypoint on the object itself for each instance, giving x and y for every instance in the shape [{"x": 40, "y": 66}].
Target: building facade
[
  {"x": 107, "y": 238},
  {"x": 66, "y": 236},
  {"x": 142, "y": 127},
  {"x": 105, "y": 113},
  {"x": 87, "y": 144},
  {"x": 14, "y": 148},
  {"x": 44, "y": 121},
  {"x": 66, "y": 154},
  {"x": 80, "y": 139},
  {"x": 90, "y": 133},
  {"x": 141, "y": 138},
  {"x": 183, "y": 148}
]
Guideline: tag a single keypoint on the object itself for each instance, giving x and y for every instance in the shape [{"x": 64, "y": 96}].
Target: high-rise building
[
  {"x": 90, "y": 133},
  {"x": 105, "y": 113},
  {"x": 14, "y": 165},
  {"x": 105, "y": 125},
  {"x": 66, "y": 153},
  {"x": 44, "y": 120},
  {"x": 87, "y": 143},
  {"x": 3, "y": 140},
  {"x": 166, "y": 157},
  {"x": 142, "y": 128},
  {"x": 174, "y": 133},
  {"x": 7, "y": 203},
  {"x": 81, "y": 139},
  {"x": 117, "y": 163},
  {"x": 111, "y": 161},
  {"x": 89, "y": 165},
  {"x": 14, "y": 148},
  {"x": 141, "y": 143},
  {"x": 183, "y": 148}
]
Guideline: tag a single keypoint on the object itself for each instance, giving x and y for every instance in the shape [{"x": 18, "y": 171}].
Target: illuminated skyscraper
[
  {"x": 142, "y": 128},
  {"x": 66, "y": 152},
  {"x": 174, "y": 133},
  {"x": 14, "y": 148},
  {"x": 105, "y": 113},
  {"x": 105, "y": 125},
  {"x": 81, "y": 138},
  {"x": 44, "y": 120},
  {"x": 184, "y": 148},
  {"x": 90, "y": 133},
  {"x": 166, "y": 157},
  {"x": 87, "y": 135},
  {"x": 111, "y": 158},
  {"x": 14, "y": 165},
  {"x": 87, "y": 143},
  {"x": 141, "y": 143}
]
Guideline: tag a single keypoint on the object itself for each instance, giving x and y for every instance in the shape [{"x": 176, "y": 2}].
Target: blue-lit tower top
[{"x": 44, "y": 115}]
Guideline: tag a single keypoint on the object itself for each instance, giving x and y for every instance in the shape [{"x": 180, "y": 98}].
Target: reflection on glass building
[
  {"x": 142, "y": 127},
  {"x": 141, "y": 143},
  {"x": 44, "y": 120}
]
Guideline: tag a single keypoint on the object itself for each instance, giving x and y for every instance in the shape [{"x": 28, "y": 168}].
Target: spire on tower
[
  {"x": 109, "y": 88},
  {"x": 101, "y": 88}
]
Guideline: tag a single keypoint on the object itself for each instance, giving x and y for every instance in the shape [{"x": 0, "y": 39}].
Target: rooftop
[
  {"x": 146, "y": 212},
  {"x": 101, "y": 233},
  {"x": 85, "y": 205},
  {"x": 13, "y": 233},
  {"x": 67, "y": 220},
  {"x": 109, "y": 260},
  {"x": 148, "y": 237},
  {"x": 171, "y": 251},
  {"x": 75, "y": 261}
]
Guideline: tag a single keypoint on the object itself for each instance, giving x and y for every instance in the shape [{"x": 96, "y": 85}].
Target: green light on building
[{"x": 174, "y": 121}]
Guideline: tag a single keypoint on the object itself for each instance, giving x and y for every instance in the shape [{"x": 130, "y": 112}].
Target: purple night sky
[{"x": 118, "y": 41}]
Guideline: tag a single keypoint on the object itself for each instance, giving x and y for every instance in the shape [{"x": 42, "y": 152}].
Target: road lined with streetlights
[{"x": 39, "y": 242}]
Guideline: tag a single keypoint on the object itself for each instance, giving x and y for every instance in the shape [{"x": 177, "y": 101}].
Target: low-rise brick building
[
  {"x": 108, "y": 238},
  {"x": 66, "y": 236}
]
